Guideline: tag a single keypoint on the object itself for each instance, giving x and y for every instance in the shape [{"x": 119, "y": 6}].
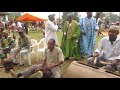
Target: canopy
[{"x": 28, "y": 17}]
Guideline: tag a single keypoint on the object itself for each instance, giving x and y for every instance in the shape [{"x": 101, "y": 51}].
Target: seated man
[
  {"x": 23, "y": 47},
  {"x": 52, "y": 60},
  {"x": 108, "y": 50}
]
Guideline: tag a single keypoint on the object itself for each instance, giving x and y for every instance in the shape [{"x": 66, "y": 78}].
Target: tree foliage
[
  {"x": 14, "y": 15},
  {"x": 75, "y": 16}
]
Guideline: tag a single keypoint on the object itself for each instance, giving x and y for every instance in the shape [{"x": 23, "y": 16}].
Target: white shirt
[
  {"x": 99, "y": 20},
  {"x": 107, "y": 50},
  {"x": 50, "y": 31},
  {"x": 19, "y": 24},
  {"x": 13, "y": 24},
  {"x": 3, "y": 23}
]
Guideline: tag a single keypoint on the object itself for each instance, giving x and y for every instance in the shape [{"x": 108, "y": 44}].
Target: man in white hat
[
  {"x": 50, "y": 29},
  {"x": 108, "y": 50}
]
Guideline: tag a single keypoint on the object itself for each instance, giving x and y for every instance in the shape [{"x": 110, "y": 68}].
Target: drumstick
[
  {"x": 105, "y": 63},
  {"x": 95, "y": 60}
]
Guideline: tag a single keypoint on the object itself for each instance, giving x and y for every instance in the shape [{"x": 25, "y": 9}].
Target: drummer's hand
[
  {"x": 96, "y": 54},
  {"x": 113, "y": 62},
  {"x": 18, "y": 49}
]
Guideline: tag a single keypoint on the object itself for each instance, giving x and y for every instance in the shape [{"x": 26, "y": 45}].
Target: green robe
[{"x": 70, "y": 43}]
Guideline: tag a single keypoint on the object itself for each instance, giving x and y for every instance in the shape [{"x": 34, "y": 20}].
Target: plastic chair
[
  {"x": 41, "y": 50},
  {"x": 33, "y": 50},
  {"x": 29, "y": 54}
]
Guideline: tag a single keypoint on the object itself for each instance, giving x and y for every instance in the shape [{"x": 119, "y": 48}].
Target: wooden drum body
[{"x": 78, "y": 70}]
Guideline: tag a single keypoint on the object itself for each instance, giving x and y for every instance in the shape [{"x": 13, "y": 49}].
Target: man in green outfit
[{"x": 71, "y": 33}]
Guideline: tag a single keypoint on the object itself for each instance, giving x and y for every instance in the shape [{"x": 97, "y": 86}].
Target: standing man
[
  {"x": 71, "y": 33},
  {"x": 99, "y": 22},
  {"x": 89, "y": 30},
  {"x": 52, "y": 60},
  {"x": 24, "y": 47},
  {"x": 50, "y": 29}
]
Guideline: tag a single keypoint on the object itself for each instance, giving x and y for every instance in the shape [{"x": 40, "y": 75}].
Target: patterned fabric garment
[
  {"x": 87, "y": 42},
  {"x": 24, "y": 43},
  {"x": 9, "y": 42},
  {"x": 6, "y": 43}
]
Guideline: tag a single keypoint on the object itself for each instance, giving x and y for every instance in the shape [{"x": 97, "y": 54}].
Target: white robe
[{"x": 50, "y": 31}]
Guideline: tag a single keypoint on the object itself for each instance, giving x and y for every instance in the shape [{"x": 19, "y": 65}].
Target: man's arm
[
  {"x": 96, "y": 25},
  {"x": 77, "y": 32},
  {"x": 50, "y": 66},
  {"x": 81, "y": 20},
  {"x": 99, "y": 48},
  {"x": 60, "y": 60},
  {"x": 52, "y": 27}
]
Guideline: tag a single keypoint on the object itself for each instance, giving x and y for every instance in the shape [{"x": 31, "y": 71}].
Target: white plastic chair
[
  {"x": 41, "y": 50},
  {"x": 33, "y": 44}
]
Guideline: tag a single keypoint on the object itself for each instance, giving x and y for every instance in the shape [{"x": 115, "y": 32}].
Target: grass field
[{"x": 38, "y": 35}]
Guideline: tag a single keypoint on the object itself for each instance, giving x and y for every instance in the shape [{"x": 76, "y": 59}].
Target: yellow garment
[{"x": 71, "y": 29}]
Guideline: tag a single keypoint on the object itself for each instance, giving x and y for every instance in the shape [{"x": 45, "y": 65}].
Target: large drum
[{"x": 79, "y": 70}]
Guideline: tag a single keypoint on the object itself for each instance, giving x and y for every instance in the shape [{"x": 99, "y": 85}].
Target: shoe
[
  {"x": 39, "y": 74},
  {"x": 14, "y": 75}
]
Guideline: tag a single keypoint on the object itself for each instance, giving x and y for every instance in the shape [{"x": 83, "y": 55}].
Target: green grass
[{"x": 38, "y": 35}]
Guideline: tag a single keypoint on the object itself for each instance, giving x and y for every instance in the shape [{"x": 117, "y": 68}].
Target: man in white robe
[{"x": 51, "y": 29}]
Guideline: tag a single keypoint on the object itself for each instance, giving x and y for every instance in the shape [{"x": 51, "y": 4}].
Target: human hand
[
  {"x": 96, "y": 54},
  {"x": 83, "y": 33},
  {"x": 50, "y": 66},
  {"x": 113, "y": 62}
]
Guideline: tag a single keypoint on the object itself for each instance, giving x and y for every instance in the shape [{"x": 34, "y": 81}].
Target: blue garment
[{"x": 87, "y": 42}]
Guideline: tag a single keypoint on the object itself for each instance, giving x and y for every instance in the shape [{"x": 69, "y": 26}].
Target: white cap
[{"x": 114, "y": 27}]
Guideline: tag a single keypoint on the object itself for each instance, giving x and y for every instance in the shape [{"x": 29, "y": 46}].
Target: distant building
[{"x": 4, "y": 16}]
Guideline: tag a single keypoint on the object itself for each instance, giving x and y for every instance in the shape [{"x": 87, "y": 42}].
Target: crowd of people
[{"x": 78, "y": 41}]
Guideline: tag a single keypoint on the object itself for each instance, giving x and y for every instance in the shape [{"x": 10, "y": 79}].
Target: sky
[{"x": 45, "y": 14}]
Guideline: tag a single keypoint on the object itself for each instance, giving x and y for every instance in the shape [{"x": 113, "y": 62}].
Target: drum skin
[{"x": 77, "y": 70}]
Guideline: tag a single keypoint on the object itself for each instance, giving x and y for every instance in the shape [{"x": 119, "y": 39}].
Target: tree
[
  {"x": 111, "y": 17},
  {"x": 65, "y": 15},
  {"x": 14, "y": 15},
  {"x": 75, "y": 16}
]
